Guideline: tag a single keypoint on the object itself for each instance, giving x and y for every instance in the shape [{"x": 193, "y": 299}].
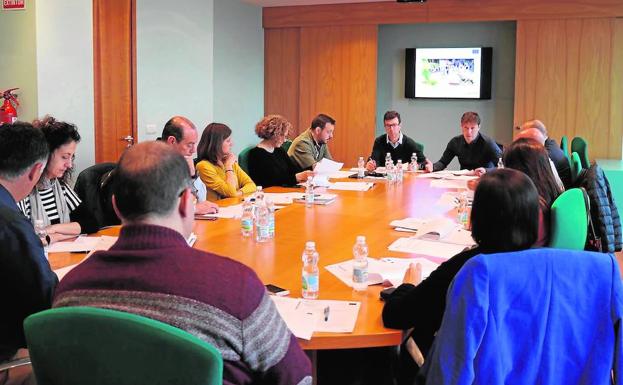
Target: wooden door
[{"x": 114, "y": 61}]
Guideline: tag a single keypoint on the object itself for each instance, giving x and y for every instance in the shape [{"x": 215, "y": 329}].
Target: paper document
[
  {"x": 448, "y": 183},
  {"x": 436, "y": 229},
  {"x": 449, "y": 175},
  {"x": 425, "y": 247},
  {"x": 351, "y": 186},
  {"x": 340, "y": 174},
  {"x": 234, "y": 211},
  {"x": 324, "y": 169},
  {"x": 391, "y": 270},
  {"x": 280, "y": 198},
  {"x": 323, "y": 315},
  {"x": 82, "y": 244},
  {"x": 319, "y": 199}
]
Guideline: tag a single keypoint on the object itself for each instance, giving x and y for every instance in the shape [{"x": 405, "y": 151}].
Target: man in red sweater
[{"x": 151, "y": 271}]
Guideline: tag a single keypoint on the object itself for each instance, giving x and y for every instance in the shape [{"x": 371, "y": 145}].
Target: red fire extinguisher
[{"x": 8, "y": 114}]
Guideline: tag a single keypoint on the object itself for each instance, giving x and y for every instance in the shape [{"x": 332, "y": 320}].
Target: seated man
[
  {"x": 476, "y": 151},
  {"x": 400, "y": 146},
  {"x": 151, "y": 271},
  {"x": 310, "y": 147},
  {"x": 181, "y": 133},
  {"x": 536, "y": 134},
  {"x": 553, "y": 150},
  {"x": 26, "y": 281}
]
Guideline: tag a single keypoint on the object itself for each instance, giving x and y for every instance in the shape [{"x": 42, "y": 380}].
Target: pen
[{"x": 326, "y": 313}]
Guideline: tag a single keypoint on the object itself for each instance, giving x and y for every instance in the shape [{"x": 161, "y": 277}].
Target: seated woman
[
  {"x": 504, "y": 218},
  {"x": 52, "y": 200},
  {"x": 530, "y": 157},
  {"x": 218, "y": 167},
  {"x": 269, "y": 164}
]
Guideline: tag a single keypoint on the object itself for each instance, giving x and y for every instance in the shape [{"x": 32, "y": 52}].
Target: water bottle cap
[
  {"x": 258, "y": 188},
  {"x": 361, "y": 239},
  {"x": 310, "y": 244}
]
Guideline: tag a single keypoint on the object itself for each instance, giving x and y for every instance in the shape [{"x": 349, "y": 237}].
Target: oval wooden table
[{"x": 334, "y": 228}]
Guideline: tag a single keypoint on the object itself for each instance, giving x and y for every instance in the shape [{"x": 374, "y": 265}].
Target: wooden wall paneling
[
  {"x": 338, "y": 77},
  {"x": 114, "y": 60},
  {"x": 437, "y": 11},
  {"x": 573, "y": 31},
  {"x": 593, "y": 108},
  {"x": 615, "y": 144},
  {"x": 520, "y": 74},
  {"x": 281, "y": 74}
]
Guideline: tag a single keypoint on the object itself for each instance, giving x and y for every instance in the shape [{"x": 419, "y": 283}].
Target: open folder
[{"x": 387, "y": 270}]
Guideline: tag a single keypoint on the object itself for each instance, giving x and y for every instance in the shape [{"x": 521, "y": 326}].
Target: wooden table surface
[{"x": 334, "y": 228}]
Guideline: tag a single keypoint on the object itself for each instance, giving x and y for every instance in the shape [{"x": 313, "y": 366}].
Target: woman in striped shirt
[{"x": 52, "y": 200}]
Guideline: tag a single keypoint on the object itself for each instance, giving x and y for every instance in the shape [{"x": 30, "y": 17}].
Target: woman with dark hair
[
  {"x": 269, "y": 164},
  {"x": 530, "y": 157},
  {"x": 52, "y": 200},
  {"x": 218, "y": 167},
  {"x": 504, "y": 218}
]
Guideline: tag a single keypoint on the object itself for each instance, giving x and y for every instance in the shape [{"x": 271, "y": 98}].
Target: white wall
[
  {"x": 65, "y": 69},
  {"x": 175, "y": 63},
  {"x": 238, "y": 69}
]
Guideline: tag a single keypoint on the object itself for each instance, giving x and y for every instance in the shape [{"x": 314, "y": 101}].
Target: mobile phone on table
[{"x": 276, "y": 290}]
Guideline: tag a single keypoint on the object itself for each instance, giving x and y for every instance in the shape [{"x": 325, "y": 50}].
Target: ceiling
[{"x": 281, "y": 3}]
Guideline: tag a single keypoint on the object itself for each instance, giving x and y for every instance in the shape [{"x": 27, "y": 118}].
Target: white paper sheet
[
  {"x": 319, "y": 199},
  {"x": 351, "y": 186},
  {"x": 83, "y": 244},
  {"x": 234, "y": 211},
  {"x": 381, "y": 270},
  {"x": 341, "y": 174},
  {"x": 424, "y": 247},
  {"x": 301, "y": 323},
  {"x": 448, "y": 183},
  {"x": 280, "y": 198},
  {"x": 324, "y": 169}
]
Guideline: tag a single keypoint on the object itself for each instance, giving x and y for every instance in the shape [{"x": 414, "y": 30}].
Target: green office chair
[
  {"x": 243, "y": 159},
  {"x": 286, "y": 145},
  {"x": 580, "y": 146},
  {"x": 576, "y": 166},
  {"x": 83, "y": 345},
  {"x": 564, "y": 146},
  {"x": 569, "y": 220}
]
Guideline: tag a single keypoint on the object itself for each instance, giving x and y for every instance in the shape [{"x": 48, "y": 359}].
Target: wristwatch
[{"x": 48, "y": 239}]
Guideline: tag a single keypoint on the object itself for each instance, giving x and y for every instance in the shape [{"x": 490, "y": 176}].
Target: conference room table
[{"x": 334, "y": 228}]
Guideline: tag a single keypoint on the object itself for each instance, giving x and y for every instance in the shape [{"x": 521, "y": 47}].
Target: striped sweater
[{"x": 152, "y": 272}]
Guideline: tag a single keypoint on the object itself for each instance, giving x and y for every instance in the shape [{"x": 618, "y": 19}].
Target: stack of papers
[
  {"x": 234, "y": 211},
  {"x": 424, "y": 247},
  {"x": 340, "y": 175},
  {"x": 390, "y": 270},
  {"x": 325, "y": 169},
  {"x": 83, "y": 244},
  {"x": 351, "y": 186},
  {"x": 280, "y": 198},
  {"x": 304, "y": 317}
]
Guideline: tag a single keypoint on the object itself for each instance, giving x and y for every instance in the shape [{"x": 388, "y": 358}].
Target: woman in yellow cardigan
[{"x": 218, "y": 167}]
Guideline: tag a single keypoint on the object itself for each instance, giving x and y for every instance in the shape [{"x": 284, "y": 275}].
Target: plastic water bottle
[
  {"x": 259, "y": 194},
  {"x": 309, "y": 192},
  {"x": 500, "y": 163},
  {"x": 413, "y": 166},
  {"x": 261, "y": 221},
  {"x": 389, "y": 168},
  {"x": 360, "y": 264},
  {"x": 270, "y": 206},
  {"x": 310, "y": 274},
  {"x": 462, "y": 211},
  {"x": 42, "y": 233},
  {"x": 399, "y": 171},
  {"x": 361, "y": 164},
  {"x": 246, "y": 222}
]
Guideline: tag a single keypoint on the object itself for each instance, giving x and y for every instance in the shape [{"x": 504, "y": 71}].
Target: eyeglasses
[{"x": 392, "y": 125}]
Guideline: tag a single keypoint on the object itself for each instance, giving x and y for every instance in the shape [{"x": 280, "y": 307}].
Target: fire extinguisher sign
[{"x": 13, "y": 5}]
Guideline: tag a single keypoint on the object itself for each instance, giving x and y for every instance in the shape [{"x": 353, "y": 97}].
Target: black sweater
[
  {"x": 274, "y": 169},
  {"x": 481, "y": 152},
  {"x": 421, "y": 307},
  {"x": 402, "y": 151}
]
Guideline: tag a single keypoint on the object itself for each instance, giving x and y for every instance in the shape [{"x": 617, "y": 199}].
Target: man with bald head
[
  {"x": 537, "y": 135},
  {"x": 553, "y": 150},
  {"x": 180, "y": 133},
  {"x": 152, "y": 271}
]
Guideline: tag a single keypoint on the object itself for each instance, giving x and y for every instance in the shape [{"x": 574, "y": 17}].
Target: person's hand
[
  {"x": 206, "y": 207},
  {"x": 471, "y": 184},
  {"x": 303, "y": 175},
  {"x": 191, "y": 165},
  {"x": 429, "y": 166},
  {"x": 51, "y": 229},
  {"x": 413, "y": 275},
  {"x": 480, "y": 171},
  {"x": 229, "y": 161},
  {"x": 371, "y": 165}
]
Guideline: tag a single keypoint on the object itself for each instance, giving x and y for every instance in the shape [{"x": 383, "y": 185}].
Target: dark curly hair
[{"x": 57, "y": 134}]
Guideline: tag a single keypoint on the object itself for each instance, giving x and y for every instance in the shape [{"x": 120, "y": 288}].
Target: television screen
[{"x": 448, "y": 73}]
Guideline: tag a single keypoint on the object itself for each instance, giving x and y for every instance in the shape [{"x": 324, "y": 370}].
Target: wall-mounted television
[{"x": 448, "y": 73}]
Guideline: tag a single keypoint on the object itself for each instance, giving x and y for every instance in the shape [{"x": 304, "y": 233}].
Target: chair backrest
[
  {"x": 286, "y": 145},
  {"x": 564, "y": 145},
  {"x": 579, "y": 145},
  {"x": 243, "y": 159},
  {"x": 538, "y": 316},
  {"x": 82, "y": 345},
  {"x": 89, "y": 191},
  {"x": 569, "y": 220},
  {"x": 576, "y": 166}
]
